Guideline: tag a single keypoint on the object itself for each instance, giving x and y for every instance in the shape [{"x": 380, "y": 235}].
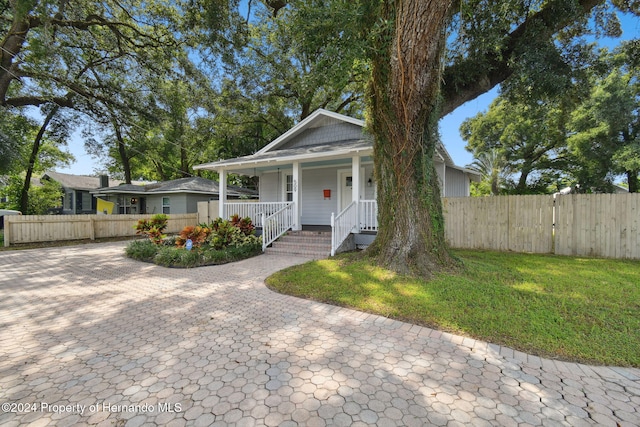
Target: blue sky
[{"x": 449, "y": 125}]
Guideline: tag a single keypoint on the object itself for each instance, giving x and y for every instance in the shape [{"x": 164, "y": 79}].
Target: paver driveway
[{"x": 90, "y": 337}]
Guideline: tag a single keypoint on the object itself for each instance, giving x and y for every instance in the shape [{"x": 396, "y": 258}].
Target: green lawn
[{"x": 577, "y": 309}]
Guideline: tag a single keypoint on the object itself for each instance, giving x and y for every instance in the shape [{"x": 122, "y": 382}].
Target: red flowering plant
[{"x": 197, "y": 234}]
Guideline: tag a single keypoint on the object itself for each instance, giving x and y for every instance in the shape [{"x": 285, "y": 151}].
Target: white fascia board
[
  {"x": 303, "y": 124},
  {"x": 244, "y": 164},
  {"x": 106, "y": 193}
]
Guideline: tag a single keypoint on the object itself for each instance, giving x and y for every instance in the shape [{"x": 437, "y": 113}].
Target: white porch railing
[
  {"x": 342, "y": 225},
  {"x": 368, "y": 215},
  {"x": 255, "y": 211},
  {"x": 276, "y": 224}
]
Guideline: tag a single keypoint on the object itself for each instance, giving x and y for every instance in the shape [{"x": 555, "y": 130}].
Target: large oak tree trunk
[{"x": 404, "y": 93}]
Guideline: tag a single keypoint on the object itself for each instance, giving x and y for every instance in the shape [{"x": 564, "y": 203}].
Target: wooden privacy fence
[
  {"x": 503, "y": 223},
  {"x": 49, "y": 228},
  {"x": 604, "y": 225}
]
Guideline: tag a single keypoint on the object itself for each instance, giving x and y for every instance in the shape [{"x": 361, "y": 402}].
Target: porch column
[
  {"x": 297, "y": 196},
  {"x": 222, "y": 197},
  {"x": 355, "y": 188}
]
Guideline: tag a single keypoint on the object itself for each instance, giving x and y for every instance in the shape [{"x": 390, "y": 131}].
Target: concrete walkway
[{"x": 89, "y": 337}]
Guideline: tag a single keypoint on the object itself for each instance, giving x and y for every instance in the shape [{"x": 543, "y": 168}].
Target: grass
[{"x": 575, "y": 309}]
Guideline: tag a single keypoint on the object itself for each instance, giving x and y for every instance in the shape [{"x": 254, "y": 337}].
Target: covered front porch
[{"x": 336, "y": 194}]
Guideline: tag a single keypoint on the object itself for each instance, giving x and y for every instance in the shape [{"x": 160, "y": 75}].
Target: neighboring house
[
  {"x": 77, "y": 190},
  {"x": 321, "y": 167},
  {"x": 178, "y": 196}
]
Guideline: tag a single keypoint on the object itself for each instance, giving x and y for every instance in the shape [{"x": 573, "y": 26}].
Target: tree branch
[
  {"x": 472, "y": 81},
  {"x": 36, "y": 101}
]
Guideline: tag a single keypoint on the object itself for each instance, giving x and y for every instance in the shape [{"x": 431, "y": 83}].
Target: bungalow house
[
  {"x": 77, "y": 189},
  {"x": 319, "y": 174},
  {"x": 178, "y": 196}
]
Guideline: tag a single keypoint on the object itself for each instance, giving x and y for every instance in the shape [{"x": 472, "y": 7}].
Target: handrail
[
  {"x": 276, "y": 224},
  {"x": 342, "y": 225}
]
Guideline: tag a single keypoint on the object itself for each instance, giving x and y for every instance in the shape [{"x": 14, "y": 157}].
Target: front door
[
  {"x": 346, "y": 182},
  {"x": 346, "y": 188}
]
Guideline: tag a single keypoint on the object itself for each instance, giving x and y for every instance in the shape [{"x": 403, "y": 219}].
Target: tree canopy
[{"x": 585, "y": 136}]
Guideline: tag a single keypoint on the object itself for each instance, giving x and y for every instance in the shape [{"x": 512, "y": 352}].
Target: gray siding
[
  {"x": 326, "y": 134},
  {"x": 316, "y": 210},
  {"x": 179, "y": 203},
  {"x": 154, "y": 204},
  {"x": 456, "y": 183},
  {"x": 271, "y": 186}
]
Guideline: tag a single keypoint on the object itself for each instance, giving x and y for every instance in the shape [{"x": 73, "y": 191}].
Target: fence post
[
  {"x": 92, "y": 228},
  {"x": 7, "y": 234}
]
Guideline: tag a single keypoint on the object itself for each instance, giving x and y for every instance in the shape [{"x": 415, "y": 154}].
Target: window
[
  {"x": 123, "y": 206},
  {"x": 166, "y": 205},
  {"x": 289, "y": 188},
  {"x": 68, "y": 203},
  {"x": 86, "y": 201}
]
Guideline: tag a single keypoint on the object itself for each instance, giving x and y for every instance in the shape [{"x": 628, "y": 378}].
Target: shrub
[
  {"x": 197, "y": 234},
  {"x": 244, "y": 224},
  {"x": 142, "y": 250},
  {"x": 236, "y": 232},
  {"x": 218, "y": 243},
  {"x": 177, "y": 257},
  {"x": 153, "y": 228},
  {"x": 223, "y": 235},
  {"x": 245, "y": 251}
]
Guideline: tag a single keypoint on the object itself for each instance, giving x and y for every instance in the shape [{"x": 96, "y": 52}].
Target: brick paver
[{"x": 89, "y": 337}]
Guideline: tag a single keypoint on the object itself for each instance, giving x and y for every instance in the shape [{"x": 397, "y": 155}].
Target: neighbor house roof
[
  {"x": 194, "y": 185},
  {"x": 80, "y": 182}
]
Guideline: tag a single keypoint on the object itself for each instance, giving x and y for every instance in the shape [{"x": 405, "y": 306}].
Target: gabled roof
[
  {"x": 318, "y": 118},
  {"x": 193, "y": 185},
  {"x": 277, "y": 152}
]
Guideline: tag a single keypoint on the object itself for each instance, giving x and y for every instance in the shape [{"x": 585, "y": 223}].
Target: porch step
[{"x": 312, "y": 244}]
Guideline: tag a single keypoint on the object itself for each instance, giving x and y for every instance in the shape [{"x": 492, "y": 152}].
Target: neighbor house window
[
  {"x": 289, "y": 188},
  {"x": 68, "y": 203},
  {"x": 166, "y": 205},
  {"x": 86, "y": 201},
  {"x": 124, "y": 207}
]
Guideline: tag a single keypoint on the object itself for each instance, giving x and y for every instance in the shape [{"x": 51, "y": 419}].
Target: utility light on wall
[{"x": 369, "y": 182}]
